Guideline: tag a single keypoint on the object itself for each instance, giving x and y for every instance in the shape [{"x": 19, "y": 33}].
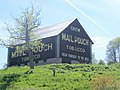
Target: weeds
[{"x": 65, "y": 77}]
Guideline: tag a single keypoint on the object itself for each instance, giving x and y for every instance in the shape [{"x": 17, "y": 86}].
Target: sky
[{"x": 99, "y": 18}]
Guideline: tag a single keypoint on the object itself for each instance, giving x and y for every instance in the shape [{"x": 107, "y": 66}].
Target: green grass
[{"x": 67, "y": 77}]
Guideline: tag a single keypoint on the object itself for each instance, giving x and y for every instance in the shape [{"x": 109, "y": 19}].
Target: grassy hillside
[{"x": 67, "y": 77}]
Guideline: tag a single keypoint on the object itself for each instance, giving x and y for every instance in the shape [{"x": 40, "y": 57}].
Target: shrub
[
  {"x": 105, "y": 83},
  {"x": 110, "y": 62}
]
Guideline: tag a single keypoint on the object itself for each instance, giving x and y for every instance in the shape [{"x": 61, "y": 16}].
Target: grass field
[{"x": 62, "y": 77}]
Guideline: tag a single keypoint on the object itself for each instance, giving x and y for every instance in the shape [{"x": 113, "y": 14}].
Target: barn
[{"x": 65, "y": 42}]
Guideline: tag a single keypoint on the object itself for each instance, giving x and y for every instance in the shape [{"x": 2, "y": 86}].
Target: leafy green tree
[
  {"x": 24, "y": 31},
  {"x": 116, "y": 43},
  {"x": 113, "y": 50},
  {"x": 101, "y": 62}
]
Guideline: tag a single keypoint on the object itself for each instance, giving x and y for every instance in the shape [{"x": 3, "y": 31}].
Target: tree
[
  {"x": 101, "y": 62},
  {"x": 23, "y": 31},
  {"x": 94, "y": 61},
  {"x": 113, "y": 50},
  {"x": 116, "y": 43}
]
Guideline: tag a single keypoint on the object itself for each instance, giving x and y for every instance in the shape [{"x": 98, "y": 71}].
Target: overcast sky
[{"x": 99, "y": 18}]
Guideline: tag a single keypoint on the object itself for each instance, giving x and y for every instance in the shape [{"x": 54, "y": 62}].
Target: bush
[
  {"x": 105, "y": 83},
  {"x": 110, "y": 62}
]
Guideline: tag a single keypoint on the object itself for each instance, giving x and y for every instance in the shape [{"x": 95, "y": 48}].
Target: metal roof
[{"x": 53, "y": 30}]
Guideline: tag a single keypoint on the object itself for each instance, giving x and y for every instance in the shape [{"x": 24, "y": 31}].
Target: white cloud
[{"x": 100, "y": 42}]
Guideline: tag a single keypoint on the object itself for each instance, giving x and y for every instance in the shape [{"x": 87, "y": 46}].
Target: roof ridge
[
  {"x": 71, "y": 20},
  {"x": 53, "y": 29}
]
